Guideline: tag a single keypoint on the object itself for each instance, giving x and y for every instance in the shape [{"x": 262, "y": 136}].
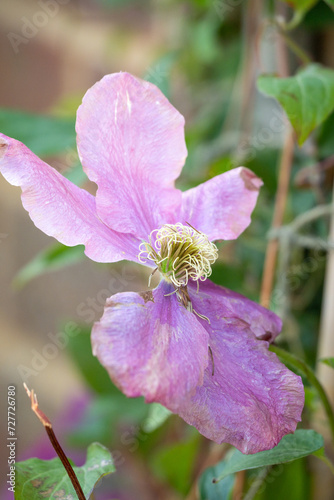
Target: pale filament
[{"x": 180, "y": 253}]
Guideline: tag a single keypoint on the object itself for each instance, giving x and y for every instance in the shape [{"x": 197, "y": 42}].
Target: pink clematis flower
[{"x": 201, "y": 353}]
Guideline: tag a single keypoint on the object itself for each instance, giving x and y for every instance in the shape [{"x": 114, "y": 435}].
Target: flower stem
[
  {"x": 55, "y": 443},
  {"x": 326, "y": 461},
  {"x": 280, "y": 202},
  {"x": 296, "y": 49},
  {"x": 310, "y": 375}
]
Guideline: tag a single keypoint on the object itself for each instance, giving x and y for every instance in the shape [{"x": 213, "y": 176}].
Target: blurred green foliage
[
  {"x": 291, "y": 480},
  {"x": 202, "y": 73},
  {"x": 216, "y": 491},
  {"x": 292, "y": 446},
  {"x": 44, "y": 135},
  {"x": 177, "y": 473},
  {"x": 52, "y": 258},
  {"x": 50, "y": 477},
  {"x": 307, "y": 97}
]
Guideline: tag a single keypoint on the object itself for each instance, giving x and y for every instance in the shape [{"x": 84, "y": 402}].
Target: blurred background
[{"x": 205, "y": 55}]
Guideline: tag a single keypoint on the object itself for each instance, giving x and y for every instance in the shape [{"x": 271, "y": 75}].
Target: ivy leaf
[
  {"x": 39, "y": 479},
  {"x": 291, "y": 447},
  {"x": 328, "y": 361},
  {"x": 307, "y": 97},
  {"x": 220, "y": 491}
]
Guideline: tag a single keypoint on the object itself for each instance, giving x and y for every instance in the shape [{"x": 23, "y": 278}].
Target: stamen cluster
[{"x": 180, "y": 253}]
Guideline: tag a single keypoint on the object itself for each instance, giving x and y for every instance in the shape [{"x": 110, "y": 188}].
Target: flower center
[{"x": 180, "y": 253}]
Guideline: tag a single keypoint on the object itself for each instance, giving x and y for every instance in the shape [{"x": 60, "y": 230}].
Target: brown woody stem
[
  {"x": 55, "y": 443},
  {"x": 281, "y": 197}
]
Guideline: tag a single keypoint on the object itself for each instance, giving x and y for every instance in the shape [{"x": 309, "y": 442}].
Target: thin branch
[
  {"x": 280, "y": 203},
  {"x": 294, "y": 47},
  {"x": 283, "y": 178},
  {"x": 313, "y": 243},
  {"x": 313, "y": 175},
  {"x": 311, "y": 215},
  {"x": 55, "y": 443},
  {"x": 257, "y": 483},
  {"x": 215, "y": 455},
  {"x": 289, "y": 231}
]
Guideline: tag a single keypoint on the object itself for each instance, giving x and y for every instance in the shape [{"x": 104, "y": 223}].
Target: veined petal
[
  {"x": 61, "y": 209},
  {"x": 264, "y": 324},
  {"x": 131, "y": 143},
  {"x": 252, "y": 400},
  {"x": 151, "y": 346},
  {"x": 221, "y": 207}
]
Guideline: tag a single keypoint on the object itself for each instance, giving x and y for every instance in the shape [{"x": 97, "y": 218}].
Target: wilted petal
[
  {"x": 221, "y": 207},
  {"x": 265, "y": 324},
  {"x": 59, "y": 208},
  {"x": 252, "y": 400},
  {"x": 131, "y": 143},
  {"x": 151, "y": 346}
]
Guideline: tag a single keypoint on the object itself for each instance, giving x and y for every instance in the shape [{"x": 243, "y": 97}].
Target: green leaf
[
  {"x": 103, "y": 418},
  {"x": 330, "y": 3},
  {"x": 319, "y": 17},
  {"x": 94, "y": 374},
  {"x": 328, "y": 361},
  {"x": 175, "y": 464},
  {"x": 159, "y": 73},
  {"x": 44, "y": 135},
  {"x": 39, "y": 479},
  {"x": 292, "y": 446},
  {"x": 219, "y": 491},
  {"x": 325, "y": 134},
  {"x": 301, "y": 5},
  {"x": 290, "y": 481},
  {"x": 76, "y": 174},
  {"x": 52, "y": 258},
  {"x": 109, "y": 407},
  {"x": 307, "y": 97},
  {"x": 157, "y": 415}
]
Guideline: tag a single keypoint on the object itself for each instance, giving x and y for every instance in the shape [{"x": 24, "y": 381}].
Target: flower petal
[
  {"x": 131, "y": 143},
  {"x": 151, "y": 345},
  {"x": 221, "y": 207},
  {"x": 61, "y": 209},
  {"x": 264, "y": 324},
  {"x": 252, "y": 400}
]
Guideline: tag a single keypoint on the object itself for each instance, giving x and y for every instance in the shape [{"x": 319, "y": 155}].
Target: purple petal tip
[
  {"x": 252, "y": 182},
  {"x": 3, "y": 147}
]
